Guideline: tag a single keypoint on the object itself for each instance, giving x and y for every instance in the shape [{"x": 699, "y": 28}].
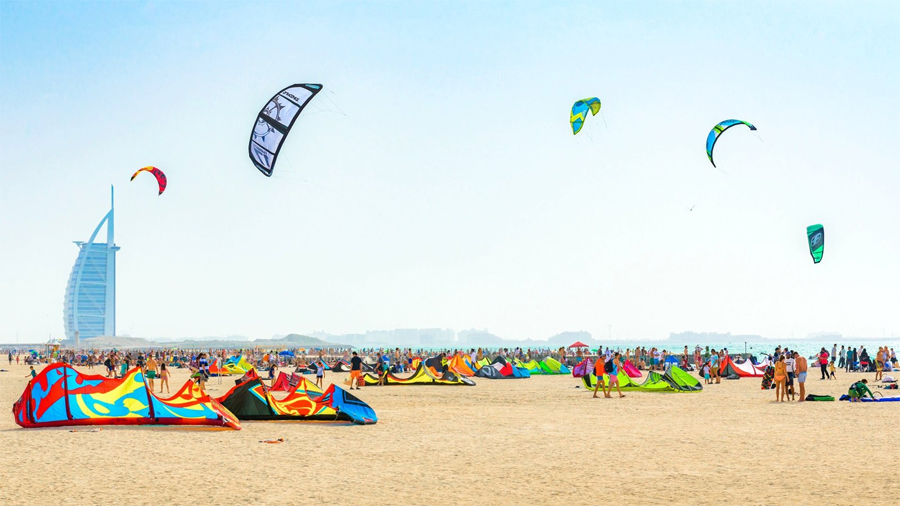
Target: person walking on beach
[
  {"x": 614, "y": 375},
  {"x": 599, "y": 371},
  {"x": 31, "y": 374},
  {"x": 823, "y": 363},
  {"x": 801, "y": 366},
  {"x": 355, "y": 371},
  {"x": 163, "y": 377},
  {"x": 780, "y": 379}
]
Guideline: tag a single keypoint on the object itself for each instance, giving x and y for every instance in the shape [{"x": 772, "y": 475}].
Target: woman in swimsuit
[
  {"x": 163, "y": 377},
  {"x": 780, "y": 379}
]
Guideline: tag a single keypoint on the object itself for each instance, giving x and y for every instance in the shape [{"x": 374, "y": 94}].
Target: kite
[
  {"x": 579, "y": 112},
  {"x": 274, "y": 122},
  {"x": 158, "y": 174},
  {"x": 717, "y": 131},
  {"x": 815, "y": 234}
]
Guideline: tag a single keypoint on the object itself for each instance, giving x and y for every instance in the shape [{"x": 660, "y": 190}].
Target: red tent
[{"x": 578, "y": 344}]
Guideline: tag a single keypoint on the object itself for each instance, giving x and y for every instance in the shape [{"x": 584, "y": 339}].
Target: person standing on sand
[
  {"x": 31, "y": 373},
  {"x": 789, "y": 367},
  {"x": 714, "y": 365},
  {"x": 203, "y": 367},
  {"x": 320, "y": 374},
  {"x": 780, "y": 379},
  {"x": 842, "y": 358},
  {"x": 151, "y": 370},
  {"x": 355, "y": 371},
  {"x": 879, "y": 364},
  {"x": 801, "y": 366},
  {"x": 163, "y": 377}
]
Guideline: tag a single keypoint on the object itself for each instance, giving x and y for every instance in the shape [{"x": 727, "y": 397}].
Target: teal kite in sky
[
  {"x": 815, "y": 234},
  {"x": 579, "y": 112},
  {"x": 717, "y": 131}
]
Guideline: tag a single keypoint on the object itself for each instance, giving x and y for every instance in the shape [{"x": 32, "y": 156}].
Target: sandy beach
[{"x": 531, "y": 441}]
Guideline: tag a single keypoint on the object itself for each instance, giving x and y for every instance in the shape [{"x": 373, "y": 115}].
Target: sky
[{"x": 436, "y": 181}]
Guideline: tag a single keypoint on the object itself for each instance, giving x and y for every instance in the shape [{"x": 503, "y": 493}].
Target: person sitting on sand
[{"x": 859, "y": 390}]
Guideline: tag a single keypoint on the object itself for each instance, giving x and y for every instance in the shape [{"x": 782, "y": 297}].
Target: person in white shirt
[{"x": 789, "y": 363}]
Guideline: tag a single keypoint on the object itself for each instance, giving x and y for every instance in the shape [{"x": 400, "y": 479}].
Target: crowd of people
[{"x": 787, "y": 369}]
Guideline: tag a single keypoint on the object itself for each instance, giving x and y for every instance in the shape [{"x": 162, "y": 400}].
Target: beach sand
[{"x": 509, "y": 442}]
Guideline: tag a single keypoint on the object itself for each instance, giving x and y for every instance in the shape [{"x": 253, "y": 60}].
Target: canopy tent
[
  {"x": 251, "y": 400},
  {"x": 423, "y": 375},
  {"x": 60, "y": 396}
]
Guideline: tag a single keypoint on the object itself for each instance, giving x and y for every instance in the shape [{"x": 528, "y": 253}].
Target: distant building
[{"x": 90, "y": 304}]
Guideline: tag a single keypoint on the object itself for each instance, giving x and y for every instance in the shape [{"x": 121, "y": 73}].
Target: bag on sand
[{"x": 812, "y": 397}]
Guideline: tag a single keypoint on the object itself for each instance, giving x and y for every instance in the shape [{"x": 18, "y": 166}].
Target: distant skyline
[{"x": 435, "y": 182}]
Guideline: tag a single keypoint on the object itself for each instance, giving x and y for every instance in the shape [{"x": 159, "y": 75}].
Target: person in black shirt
[{"x": 355, "y": 371}]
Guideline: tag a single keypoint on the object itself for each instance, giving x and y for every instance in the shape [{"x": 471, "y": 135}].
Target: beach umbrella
[
  {"x": 577, "y": 344},
  {"x": 286, "y": 353}
]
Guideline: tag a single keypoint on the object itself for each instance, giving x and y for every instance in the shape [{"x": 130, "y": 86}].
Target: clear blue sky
[{"x": 450, "y": 192}]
